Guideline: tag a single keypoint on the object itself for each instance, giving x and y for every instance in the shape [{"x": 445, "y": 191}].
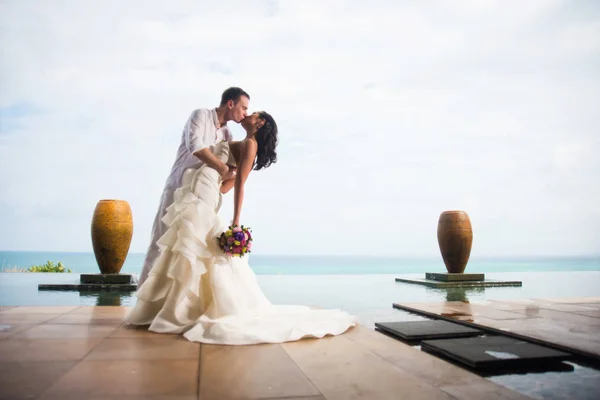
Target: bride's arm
[
  {"x": 227, "y": 185},
  {"x": 247, "y": 157}
]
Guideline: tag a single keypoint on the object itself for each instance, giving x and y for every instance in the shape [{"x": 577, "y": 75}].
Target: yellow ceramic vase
[{"x": 112, "y": 230}]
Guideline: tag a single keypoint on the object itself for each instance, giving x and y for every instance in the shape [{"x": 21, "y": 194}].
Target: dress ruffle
[{"x": 187, "y": 251}]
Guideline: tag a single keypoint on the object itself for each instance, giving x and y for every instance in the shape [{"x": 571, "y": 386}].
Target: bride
[{"x": 194, "y": 288}]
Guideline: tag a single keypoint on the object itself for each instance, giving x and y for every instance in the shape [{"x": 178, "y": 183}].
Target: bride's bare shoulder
[{"x": 245, "y": 143}]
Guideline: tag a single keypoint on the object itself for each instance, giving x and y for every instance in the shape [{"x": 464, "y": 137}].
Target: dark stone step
[
  {"x": 493, "y": 352},
  {"x": 421, "y": 330}
]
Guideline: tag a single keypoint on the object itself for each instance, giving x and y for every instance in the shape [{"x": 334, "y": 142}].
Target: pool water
[{"x": 369, "y": 297}]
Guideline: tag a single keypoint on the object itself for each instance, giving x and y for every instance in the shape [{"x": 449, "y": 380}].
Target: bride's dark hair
[{"x": 266, "y": 138}]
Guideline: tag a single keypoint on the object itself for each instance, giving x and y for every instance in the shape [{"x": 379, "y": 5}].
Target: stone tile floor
[{"x": 88, "y": 353}]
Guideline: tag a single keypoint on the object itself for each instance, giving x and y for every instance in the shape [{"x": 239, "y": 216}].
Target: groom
[{"x": 204, "y": 128}]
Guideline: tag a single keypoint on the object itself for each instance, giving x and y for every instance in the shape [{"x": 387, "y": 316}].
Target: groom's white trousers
[{"x": 158, "y": 229}]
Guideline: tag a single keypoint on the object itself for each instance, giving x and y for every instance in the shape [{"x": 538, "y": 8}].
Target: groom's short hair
[{"x": 233, "y": 93}]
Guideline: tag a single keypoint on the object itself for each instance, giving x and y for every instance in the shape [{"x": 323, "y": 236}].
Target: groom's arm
[
  {"x": 208, "y": 158},
  {"x": 198, "y": 142}
]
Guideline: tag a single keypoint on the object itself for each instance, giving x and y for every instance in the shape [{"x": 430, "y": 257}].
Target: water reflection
[
  {"x": 106, "y": 298},
  {"x": 462, "y": 294}
]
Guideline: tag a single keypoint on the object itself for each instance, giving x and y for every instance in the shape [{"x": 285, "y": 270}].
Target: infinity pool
[{"x": 369, "y": 297}]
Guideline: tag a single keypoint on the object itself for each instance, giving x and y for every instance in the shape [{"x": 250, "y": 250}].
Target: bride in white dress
[{"x": 197, "y": 290}]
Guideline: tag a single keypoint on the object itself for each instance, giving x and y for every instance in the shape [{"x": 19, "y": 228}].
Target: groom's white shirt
[{"x": 200, "y": 131}]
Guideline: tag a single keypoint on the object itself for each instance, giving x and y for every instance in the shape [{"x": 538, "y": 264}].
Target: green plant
[{"x": 49, "y": 267}]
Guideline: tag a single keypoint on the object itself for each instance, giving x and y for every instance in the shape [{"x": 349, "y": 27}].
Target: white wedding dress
[{"x": 194, "y": 289}]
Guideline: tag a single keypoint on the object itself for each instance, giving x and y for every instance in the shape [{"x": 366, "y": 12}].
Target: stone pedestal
[
  {"x": 96, "y": 282},
  {"x": 450, "y": 280},
  {"x": 449, "y": 277},
  {"x": 113, "y": 279}
]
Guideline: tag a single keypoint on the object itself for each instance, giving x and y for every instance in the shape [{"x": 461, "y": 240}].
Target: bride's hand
[{"x": 229, "y": 174}]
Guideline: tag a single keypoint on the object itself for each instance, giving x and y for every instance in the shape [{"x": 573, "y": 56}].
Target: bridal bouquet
[{"x": 236, "y": 241}]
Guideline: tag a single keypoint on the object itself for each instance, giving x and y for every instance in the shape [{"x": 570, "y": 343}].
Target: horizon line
[{"x": 582, "y": 255}]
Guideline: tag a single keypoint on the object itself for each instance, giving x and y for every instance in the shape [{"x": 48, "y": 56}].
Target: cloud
[{"x": 389, "y": 113}]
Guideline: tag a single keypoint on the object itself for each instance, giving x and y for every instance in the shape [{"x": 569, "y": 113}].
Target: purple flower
[{"x": 239, "y": 236}]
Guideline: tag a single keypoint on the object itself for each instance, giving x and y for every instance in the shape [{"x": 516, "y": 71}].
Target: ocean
[{"x": 320, "y": 265}]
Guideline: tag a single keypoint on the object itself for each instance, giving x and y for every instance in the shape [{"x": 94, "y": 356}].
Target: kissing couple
[{"x": 189, "y": 285}]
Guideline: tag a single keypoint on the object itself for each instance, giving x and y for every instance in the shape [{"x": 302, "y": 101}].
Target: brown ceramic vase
[
  {"x": 112, "y": 229},
  {"x": 455, "y": 237}
]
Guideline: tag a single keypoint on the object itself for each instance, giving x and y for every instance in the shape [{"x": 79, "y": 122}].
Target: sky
[{"x": 389, "y": 113}]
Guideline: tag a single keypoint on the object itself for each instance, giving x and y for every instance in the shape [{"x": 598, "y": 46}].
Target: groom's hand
[{"x": 229, "y": 174}]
